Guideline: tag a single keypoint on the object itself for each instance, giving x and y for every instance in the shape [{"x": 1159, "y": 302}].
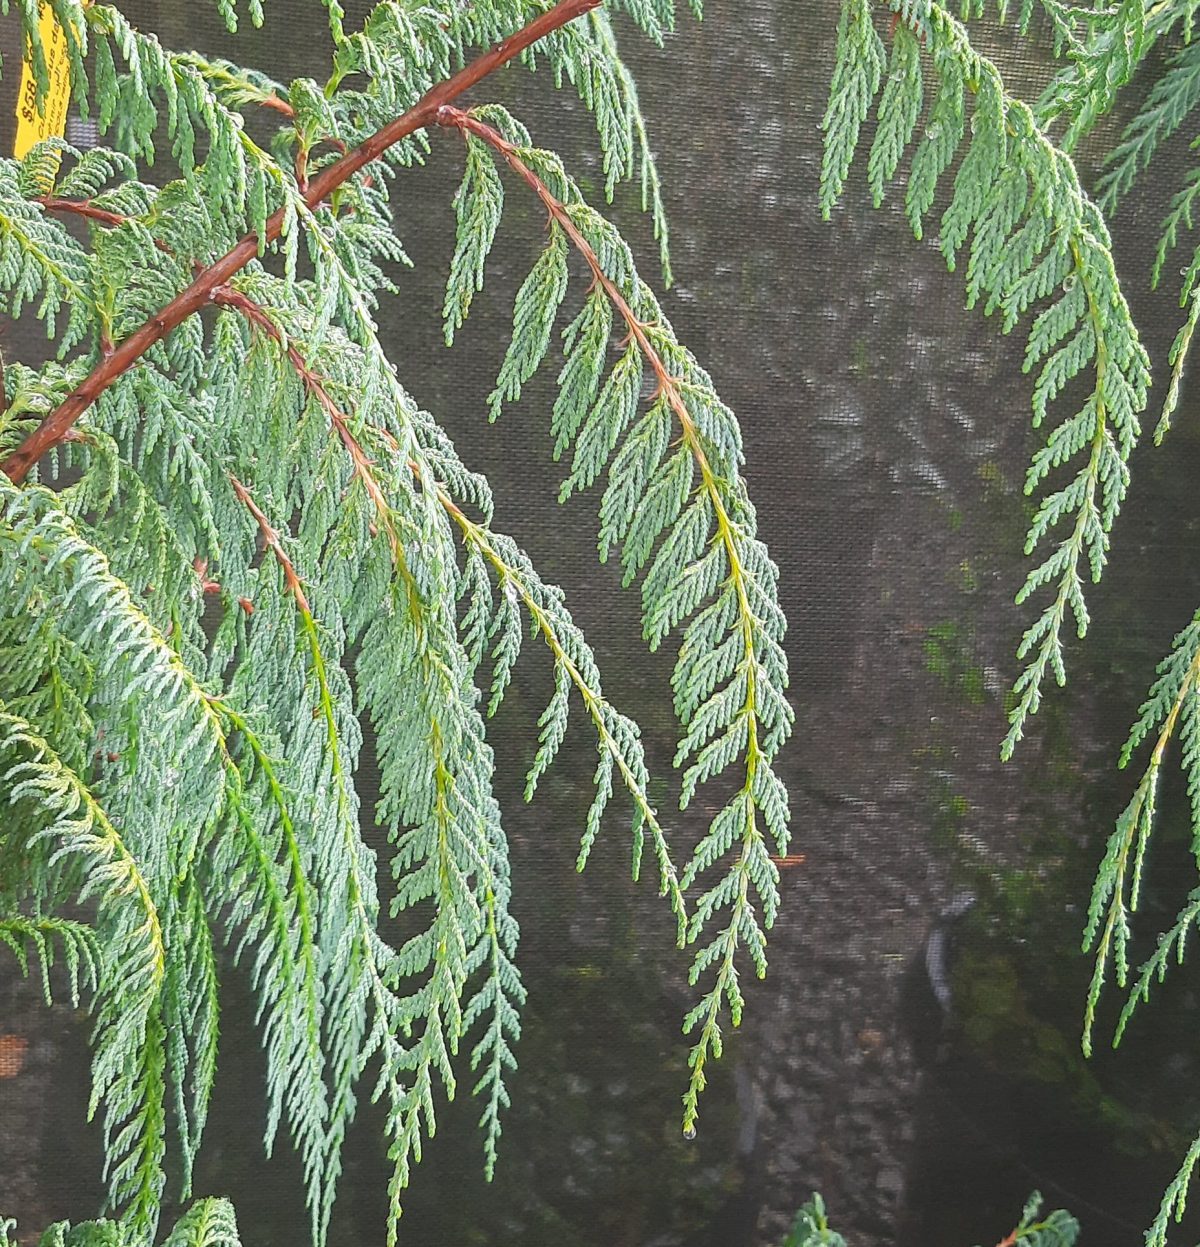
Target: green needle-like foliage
[
  {"x": 675, "y": 507},
  {"x": 207, "y": 1223},
  {"x": 811, "y": 1227},
  {"x": 1059, "y": 1229},
  {"x": 1171, "y": 712},
  {"x": 230, "y": 542},
  {"x": 1037, "y": 248},
  {"x": 1040, "y": 249}
]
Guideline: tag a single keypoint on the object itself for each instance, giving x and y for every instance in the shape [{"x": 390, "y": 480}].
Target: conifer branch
[
  {"x": 1174, "y": 708},
  {"x": 82, "y": 208},
  {"x": 1174, "y": 1200},
  {"x": 440, "y": 1001},
  {"x": 1058, "y": 1229},
  {"x": 81, "y": 827},
  {"x": 1033, "y": 239},
  {"x": 80, "y": 946},
  {"x": 304, "y": 1091},
  {"x": 188, "y": 302},
  {"x": 611, "y": 727},
  {"x": 739, "y": 821},
  {"x": 369, "y": 957},
  {"x": 89, "y": 211},
  {"x": 278, "y": 515},
  {"x": 127, "y": 1071},
  {"x": 617, "y": 739},
  {"x": 316, "y": 385},
  {"x": 127, "y": 1076},
  {"x": 454, "y": 949},
  {"x": 207, "y": 1223},
  {"x": 615, "y": 733}
]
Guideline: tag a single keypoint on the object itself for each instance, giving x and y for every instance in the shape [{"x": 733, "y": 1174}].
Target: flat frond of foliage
[
  {"x": 1103, "y": 50},
  {"x": 1036, "y": 250},
  {"x": 43, "y": 939},
  {"x": 1171, "y": 713},
  {"x": 676, "y": 509},
  {"x": 1171, "y": 102},
  {"x": 207, "y": 1223},
  {"x": 1057, "y": 1229},
  {"x": 811, "y": 1227},
  {"x": 1171, "y": 710}
]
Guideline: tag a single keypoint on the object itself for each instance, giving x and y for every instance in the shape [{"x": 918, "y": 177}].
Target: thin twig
[
  {"x": 277, "y": 104},
  {"x": 271, "y": 540},
  {"x": 88, "y": 210},
  {"x": 315, "y": 384}
]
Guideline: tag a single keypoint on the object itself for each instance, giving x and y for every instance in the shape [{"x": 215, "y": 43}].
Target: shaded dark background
[{"x": 887, "y": 434}]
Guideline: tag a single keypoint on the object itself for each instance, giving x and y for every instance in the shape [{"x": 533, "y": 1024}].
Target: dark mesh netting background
[{"x": 914, "y": 1051}]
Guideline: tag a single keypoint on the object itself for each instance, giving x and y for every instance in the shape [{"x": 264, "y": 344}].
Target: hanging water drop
[{"x": 689, "y": 1133}]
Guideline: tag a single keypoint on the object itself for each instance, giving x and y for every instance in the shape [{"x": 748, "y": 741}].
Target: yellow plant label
[{"x": 34, "y": 125}]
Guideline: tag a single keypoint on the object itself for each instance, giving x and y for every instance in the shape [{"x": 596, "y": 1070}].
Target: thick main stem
[{"x": 55, "y": 426}]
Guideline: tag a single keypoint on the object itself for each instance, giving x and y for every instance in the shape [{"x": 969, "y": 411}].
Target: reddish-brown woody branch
[
  {"x": 271, "y": 541},
  {"x": 277, "y": 104},
  {"x": 315, "y": 384},
  {"x": 52, "y": 430},
  {"x": 83, "y": 208},
  {"x": 665, "y": 383}
]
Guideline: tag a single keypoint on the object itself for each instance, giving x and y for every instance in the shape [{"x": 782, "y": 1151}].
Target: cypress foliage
[
  {"x": 1038, "y": 251},
  {"x": 207, "y": 1223},
  {"x": 230, "y": 537},
  {"x": 1058, "y": 1229},
  {"x": 1036, "y": 248}
]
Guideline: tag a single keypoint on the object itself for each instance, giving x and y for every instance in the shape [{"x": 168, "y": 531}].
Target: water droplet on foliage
[{"x": 689, "y": 1133}]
